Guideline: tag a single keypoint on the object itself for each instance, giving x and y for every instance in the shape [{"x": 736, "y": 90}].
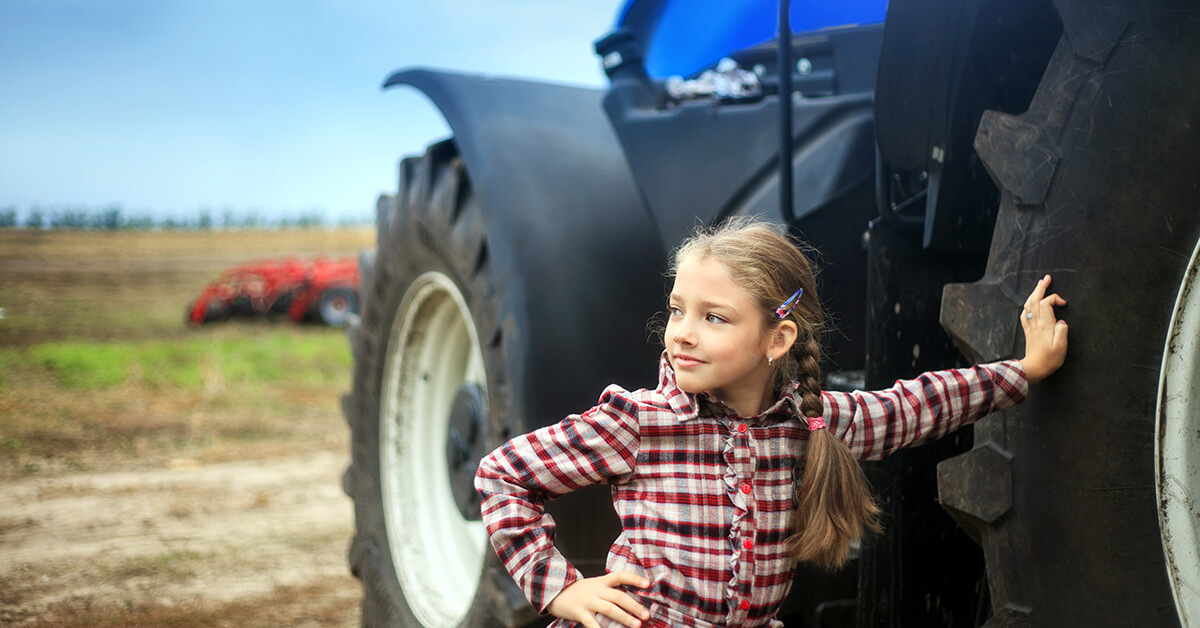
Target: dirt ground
[
  {"x": 189, "y": 544},
  {"x": 178, "y": 520}
]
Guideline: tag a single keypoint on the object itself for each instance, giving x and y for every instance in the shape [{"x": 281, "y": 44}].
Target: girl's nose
[{"x": 684, "y": 333}]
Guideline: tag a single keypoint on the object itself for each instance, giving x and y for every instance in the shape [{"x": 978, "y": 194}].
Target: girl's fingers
[
  {"x": 1060, "y": 333},
  {"x": 626, "y": 577},
  {"x": 1039, "y": 292},
  {"x": 615, "y": 613},
  {"x": 1053, "y": 301},
  {"x": 623, "y": 601}
]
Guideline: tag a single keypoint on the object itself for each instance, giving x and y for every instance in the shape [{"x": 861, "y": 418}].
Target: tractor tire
[
  {"x": 1099, "y": 186},
  {"x": 337, "y": 305},
  {"x": 429, "y": 362}
]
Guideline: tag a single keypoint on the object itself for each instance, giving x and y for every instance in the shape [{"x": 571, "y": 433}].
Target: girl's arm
[
  {"x": 915, "y": 411},
  {"x": 912, "y": 412},
  {"x": 516, "y": 479}
]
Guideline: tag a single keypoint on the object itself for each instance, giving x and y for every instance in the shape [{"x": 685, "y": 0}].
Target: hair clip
[{"x": 785, "y": 308}]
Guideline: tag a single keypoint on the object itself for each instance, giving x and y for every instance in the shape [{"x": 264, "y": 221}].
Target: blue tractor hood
[{"x": 683, "y": 37}]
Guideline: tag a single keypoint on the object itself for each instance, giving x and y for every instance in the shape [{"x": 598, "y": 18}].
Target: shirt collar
[{"x": 686, "y": 406}]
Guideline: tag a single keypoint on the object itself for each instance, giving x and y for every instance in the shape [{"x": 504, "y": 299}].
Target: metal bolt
[{"x": 804, "y": 66}]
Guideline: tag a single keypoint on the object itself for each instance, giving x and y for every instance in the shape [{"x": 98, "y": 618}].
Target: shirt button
[
  {"x": 742, "y": 428},
  {"x": 745, "y": 605},
  {"x": 748, "y": 544},
  {"x": 746, "y": 488}
]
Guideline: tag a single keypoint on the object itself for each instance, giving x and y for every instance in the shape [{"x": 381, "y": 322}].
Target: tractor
[{"x": 940, "y": 156}]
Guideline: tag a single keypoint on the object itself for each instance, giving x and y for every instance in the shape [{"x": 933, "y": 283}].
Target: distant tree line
[{"x": 114, "y": 217}]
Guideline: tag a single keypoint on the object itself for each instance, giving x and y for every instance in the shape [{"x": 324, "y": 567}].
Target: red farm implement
[{"x": 320, "y": 289}]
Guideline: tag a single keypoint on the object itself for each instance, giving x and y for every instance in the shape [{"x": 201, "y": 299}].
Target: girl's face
[{"x": 715, "y": 337}]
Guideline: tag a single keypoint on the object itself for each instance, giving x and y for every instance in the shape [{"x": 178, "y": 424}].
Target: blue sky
[{"x": 167, "y": 107}]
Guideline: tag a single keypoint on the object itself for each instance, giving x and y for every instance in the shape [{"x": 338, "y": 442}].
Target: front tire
[{"x": 429, "y": 354}]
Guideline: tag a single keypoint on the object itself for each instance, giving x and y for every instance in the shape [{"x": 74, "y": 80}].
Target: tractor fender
[
  {"x": 577, "y": 263},
  {"x": 562, "y": 211}
]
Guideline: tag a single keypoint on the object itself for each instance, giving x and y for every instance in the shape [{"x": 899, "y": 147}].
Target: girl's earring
[{"x": 770, "y": 359}]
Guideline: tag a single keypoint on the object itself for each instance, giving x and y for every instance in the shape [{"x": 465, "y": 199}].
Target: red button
[
  {"x": 748, "y": 544},
  {"x": 745, "y": 605},
  {"x": 742, "y": 428},
  {"x": 746, "y": 489}
]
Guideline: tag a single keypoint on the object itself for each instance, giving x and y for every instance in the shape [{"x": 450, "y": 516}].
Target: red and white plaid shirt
[{"x": 705, "y": 497}]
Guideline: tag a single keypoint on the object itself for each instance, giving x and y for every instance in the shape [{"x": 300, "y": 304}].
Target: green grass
[
  {"x": 294, "y": 356},
  {"x": 224, "y": 392}
]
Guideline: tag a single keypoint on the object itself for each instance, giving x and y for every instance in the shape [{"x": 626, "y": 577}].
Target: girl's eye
[
  {"x": 674, "y": 311},
  {"x": 713, "y": 318}
]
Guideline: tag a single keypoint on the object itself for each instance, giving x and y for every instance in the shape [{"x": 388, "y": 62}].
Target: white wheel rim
[
  {"x": 437, "y": 554},
  {"x": 1177, "y": 450}
]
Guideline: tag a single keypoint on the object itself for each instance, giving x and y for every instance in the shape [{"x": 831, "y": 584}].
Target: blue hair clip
[{"x": 785, "y": 308}]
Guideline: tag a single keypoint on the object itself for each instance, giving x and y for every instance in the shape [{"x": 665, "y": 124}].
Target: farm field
[{"x": 156, "y": 474}]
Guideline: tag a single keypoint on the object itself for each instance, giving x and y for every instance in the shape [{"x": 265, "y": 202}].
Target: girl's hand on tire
[
  {"x": 1045, "y": 335},
  {"x": 583, "y": 599}
]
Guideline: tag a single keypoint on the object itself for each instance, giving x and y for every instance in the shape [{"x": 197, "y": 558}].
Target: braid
[{"x": 808, "y": 374}]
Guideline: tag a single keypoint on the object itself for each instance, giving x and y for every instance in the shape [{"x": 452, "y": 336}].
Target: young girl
[{"x": 737, "y": 465}]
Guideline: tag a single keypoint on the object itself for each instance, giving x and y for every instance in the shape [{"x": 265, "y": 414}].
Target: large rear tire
[
  {"x": 1098, "y": 183},
  {"x": 429, "y": 355}
]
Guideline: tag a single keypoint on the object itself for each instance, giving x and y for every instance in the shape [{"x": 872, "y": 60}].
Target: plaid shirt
[{"x": 705, "y": 497}]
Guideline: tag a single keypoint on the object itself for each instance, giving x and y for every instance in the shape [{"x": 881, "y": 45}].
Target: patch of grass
[
  {"x": 85, "y": 366},
  {"x": 236, "y": 392},
  {"x": 280, "y": 356}
]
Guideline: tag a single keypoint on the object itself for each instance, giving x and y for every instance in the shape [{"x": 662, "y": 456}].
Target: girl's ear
[{"x": 783, "y": 338}]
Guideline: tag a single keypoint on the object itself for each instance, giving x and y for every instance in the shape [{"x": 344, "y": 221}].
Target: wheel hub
[{"x": 465, "y": 445}]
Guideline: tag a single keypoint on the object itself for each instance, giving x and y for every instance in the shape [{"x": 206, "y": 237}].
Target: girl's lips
[{"x": 684, "y": 361}]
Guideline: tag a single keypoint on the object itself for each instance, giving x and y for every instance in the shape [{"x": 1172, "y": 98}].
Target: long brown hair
[{"x": 834, "y": 505}]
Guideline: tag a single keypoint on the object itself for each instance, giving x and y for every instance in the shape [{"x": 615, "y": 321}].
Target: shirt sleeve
[
  {"x": 915, "y": 411},
  {"x": 517, "y": 478}
]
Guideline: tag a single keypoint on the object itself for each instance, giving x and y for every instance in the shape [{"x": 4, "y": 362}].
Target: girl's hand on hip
[
  {"x": 583, "y": 599},
  {"x": 1045, "y": 335}
]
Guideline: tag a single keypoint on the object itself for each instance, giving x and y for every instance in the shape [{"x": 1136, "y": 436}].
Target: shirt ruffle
[{"x": 741, "y": 509}]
